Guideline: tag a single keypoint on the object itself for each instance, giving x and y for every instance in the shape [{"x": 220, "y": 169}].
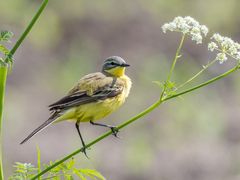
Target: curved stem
[{"x": 197, "y": 74}]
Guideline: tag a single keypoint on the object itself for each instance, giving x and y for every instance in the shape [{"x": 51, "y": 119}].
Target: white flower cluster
[
  {"x": 187, "y": 25},
  {"x": 225, "y": 46}
]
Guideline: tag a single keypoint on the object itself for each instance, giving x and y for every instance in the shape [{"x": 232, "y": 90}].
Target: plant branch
[
  {"x": 3, "y": 78},
  {"x": 126, "y": 123},
  {"x": 146, "y": 111},
  {"x": 197, "y": 74},
  {"x": 4, "y": 70},
  {"x": 27, "y": 30},
  {"x": 177, "y": 56},
  {"x": 203, "y": 84}
]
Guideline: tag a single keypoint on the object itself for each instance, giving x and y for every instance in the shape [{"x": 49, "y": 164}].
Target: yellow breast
[{"x": 98, "y": 110}]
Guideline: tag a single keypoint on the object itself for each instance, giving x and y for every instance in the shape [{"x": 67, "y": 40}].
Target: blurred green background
[{"x": 196, "y": 137}]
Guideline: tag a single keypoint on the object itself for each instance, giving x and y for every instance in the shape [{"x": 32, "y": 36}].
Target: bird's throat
[{"x": 117, "y": 72}]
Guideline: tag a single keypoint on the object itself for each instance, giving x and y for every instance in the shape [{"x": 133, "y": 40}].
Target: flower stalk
[
  {"x": 177, "y": 56},
  {"x": 197, "y": 74}
]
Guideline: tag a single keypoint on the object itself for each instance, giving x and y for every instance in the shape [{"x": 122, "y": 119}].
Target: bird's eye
[{"x": 112, "y": 63}]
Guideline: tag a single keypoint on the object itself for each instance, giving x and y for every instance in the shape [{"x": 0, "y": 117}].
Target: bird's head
[{"x": 114, "y": 66}]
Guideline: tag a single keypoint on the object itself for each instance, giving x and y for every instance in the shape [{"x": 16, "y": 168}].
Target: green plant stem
[
  {"x": 172, "y": 67},
  {"x": 197, "y": 74},
  {"x": 146, "y": 111},
  {"x": 203, "y": 84},
  {"x": 29, "y": 27},
  {"x": 38, "y": 160},
  {"x": 138, "y": 116},
  {"x": 177, "y": 56},
  {"x": 3, "y": 78},
  {"x": 4, "y": 70}
]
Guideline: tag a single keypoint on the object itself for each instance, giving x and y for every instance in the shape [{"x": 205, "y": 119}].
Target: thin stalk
[
  {"x": 29, "y": 27},
  {"x": 203, "y": 84},
  {"x": 39, "y": 160},
  {"x": 177, "y": 56},
  {"x": 126, "y": 123},
  {"x": 197, "y": 74},
  {"x": 3, "y": 78},
  {"x": 4, "y": 70}
]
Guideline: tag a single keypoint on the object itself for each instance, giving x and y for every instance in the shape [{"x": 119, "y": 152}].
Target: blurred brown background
[{"x": 194, "y": 138}]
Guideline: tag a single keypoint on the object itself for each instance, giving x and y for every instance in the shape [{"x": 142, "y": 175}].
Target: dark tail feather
[{"x": 44, "y": 125}]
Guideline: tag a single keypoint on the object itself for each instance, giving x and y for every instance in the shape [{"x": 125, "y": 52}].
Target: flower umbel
[
  {"x": 225, "y": 46},
  {"x": 187, "y": 25}
]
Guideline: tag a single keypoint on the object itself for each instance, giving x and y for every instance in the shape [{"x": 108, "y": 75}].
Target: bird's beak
[{"x": 125, "y": 65}]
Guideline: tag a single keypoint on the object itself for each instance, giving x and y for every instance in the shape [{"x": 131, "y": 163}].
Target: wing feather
[{"x": 91, "y": 88}]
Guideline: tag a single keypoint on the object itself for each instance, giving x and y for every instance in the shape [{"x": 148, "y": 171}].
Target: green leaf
[
  {"x": 170, "y": 85},
  {"x": 3, "y": 49},
  {"x": 158, "y": 83},
  {"x": 79, "y": 174},
  {"x": 92, "y": 173},
  {"x": 23, "y": 171},
  {"x": 38, "y": 159},
  {"x": 70, "y": 164},
  {"x": 6, "y": 36}
]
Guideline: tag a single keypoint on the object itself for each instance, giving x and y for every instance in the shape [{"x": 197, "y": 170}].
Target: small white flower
[
  {"x": 221, "y": 57},
  {"x": 187, "y": 25},
  {"x": 204, "y": 30},
  {"x": 233, "y": 50},
  {"x": 212, "y": 46},
  {"x": 226, "y": 46},
  {"x": 197, "y": 37},
  {"x": 165, "y": 27},
  {"x": 195, "y": 30},
  {"x": 191, "y": 21},
  {"x": 217, "y": 37},
  {"x": 238, "y": 56}
]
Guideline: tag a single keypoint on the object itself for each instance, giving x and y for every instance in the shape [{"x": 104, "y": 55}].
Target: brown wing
[{"x": 91, "y": 88}]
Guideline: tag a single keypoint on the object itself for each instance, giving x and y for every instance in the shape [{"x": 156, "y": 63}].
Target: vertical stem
[
  {"x": 4, "y": 70},
  {"x": 172, "y": 67},
  {"x": 3, "y": 77},
  {"x": 176, "y": 57}
]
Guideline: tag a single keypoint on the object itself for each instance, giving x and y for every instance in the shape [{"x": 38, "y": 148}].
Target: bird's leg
[
  {"x": 114, "y": 129},
  {"x": 83, "y": 143}
]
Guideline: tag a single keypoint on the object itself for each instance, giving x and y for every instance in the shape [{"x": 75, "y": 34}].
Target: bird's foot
[
  {"x": 115, "y": 131},
  {"x": 83, "y": 150}
]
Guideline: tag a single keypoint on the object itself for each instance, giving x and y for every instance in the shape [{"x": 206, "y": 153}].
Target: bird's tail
[{"x": 41, "y": 127}]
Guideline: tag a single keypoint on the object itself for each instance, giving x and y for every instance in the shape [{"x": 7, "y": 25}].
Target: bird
[{"x": 93, "y": 97}]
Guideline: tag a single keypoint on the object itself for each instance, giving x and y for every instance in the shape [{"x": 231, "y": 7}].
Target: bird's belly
[{"x": 98, "y": 110}]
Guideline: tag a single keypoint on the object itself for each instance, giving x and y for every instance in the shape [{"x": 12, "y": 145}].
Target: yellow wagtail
[{"x": 95, "y": 96}]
